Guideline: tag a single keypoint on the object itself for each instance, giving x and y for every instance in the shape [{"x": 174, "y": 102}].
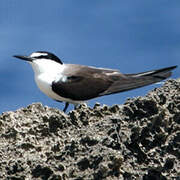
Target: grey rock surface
[{"x": 137, "y": 140}]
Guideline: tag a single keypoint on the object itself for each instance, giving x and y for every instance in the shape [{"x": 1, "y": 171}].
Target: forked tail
[{"x": 132, "y": 81}]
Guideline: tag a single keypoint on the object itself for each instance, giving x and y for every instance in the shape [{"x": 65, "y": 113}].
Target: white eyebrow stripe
[{"x": 36, "y": 54}]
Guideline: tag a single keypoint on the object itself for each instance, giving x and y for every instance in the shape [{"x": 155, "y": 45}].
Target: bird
[{"x": 75, "y": 84}]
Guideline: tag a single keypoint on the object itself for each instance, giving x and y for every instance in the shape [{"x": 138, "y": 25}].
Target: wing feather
[{"x": 83, "y": 83}]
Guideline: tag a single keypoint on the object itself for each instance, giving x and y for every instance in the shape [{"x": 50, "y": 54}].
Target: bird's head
[
  {"x": 40, "y": 55},
  {"x": 42, "y": 61}
]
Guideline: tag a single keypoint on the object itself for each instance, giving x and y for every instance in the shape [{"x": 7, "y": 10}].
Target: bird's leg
[{"x": 66, "y": 106}]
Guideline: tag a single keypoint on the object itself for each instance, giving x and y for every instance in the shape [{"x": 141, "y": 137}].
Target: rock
[{"x": 137, "y": 140}]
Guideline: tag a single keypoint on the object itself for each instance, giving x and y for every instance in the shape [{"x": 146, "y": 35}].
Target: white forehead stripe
[{"x": 37, "y": 54}]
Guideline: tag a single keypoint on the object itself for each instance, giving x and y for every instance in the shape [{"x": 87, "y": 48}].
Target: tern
[{"x": 72, "y": 83}]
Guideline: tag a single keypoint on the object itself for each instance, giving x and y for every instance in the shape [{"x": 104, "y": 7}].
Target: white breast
[
  {"x": 44, "y": 82},
  {"x": 45, "y": 72}
]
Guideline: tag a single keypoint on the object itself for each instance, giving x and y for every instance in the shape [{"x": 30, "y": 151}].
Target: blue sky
[{"x": 131, "y": 36}]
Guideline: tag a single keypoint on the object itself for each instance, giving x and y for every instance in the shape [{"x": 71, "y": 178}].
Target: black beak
[{"x": 26, "y": 58}]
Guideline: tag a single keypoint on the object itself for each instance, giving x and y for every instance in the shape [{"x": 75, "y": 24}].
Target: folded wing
[
  {"x": 84, "y": 83},
  {"x": 138, "y": 80}
]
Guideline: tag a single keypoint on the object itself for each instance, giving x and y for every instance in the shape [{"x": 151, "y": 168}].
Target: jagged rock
[{"x": 137, "y": 140}]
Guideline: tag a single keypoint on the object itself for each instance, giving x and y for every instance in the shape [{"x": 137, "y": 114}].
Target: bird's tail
[{"x": 132, "y": 81}]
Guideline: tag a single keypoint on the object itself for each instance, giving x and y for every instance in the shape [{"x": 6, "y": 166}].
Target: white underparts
[{"x": 45, "y": 72}]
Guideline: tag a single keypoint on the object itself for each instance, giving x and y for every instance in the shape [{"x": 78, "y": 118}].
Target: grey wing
[
  {"x": 133, "y": 81},
  {"x": 83, "y": 84}
]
